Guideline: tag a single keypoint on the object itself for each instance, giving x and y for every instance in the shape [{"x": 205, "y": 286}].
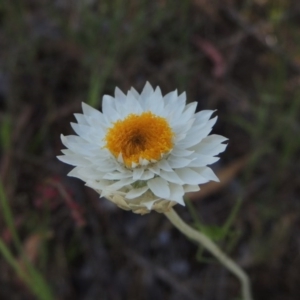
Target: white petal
[
  {"x": 206, "y": 129},
  {"x": 147, "y": 91},
  {"x": 90, "y": 111},
  {"x": 133, "y": 104},
  {"x": 109, "y": 98},
  {"x": 134, "y": 193},
  {"x": 190, "y": 109},
  {"x": 211, "y": 145},
  {"x": 117, "y": 175},
  {"x": 89, "y": 133},
  {"x": 191, "y": 188},
  {"x": 155, "y": 169},
  {"x": 108, "y": 167},
  {"x": 203, "y": 160},
  {"x": 171, "y": 177},
  {"x": 135, "y": 93},
  {"x": 108, "y": 109},
  {"x": 120, "y": 95},
  {"x": 164, "y": 165},
  {"x": 137, "y": 173},
  {"x": 178, "y": 138},
  {"x": 180, "y": 103},
  {"x": 120, "y": 104},
  {"x": 177, "y": 193},
  {"x": 216, "y": 150},
  {"x": 208, "y": 125},
  {"x": 80, "y": 119},
  {"x": 134, "y": 165},
  {"x": 98, "y": 185},
  {"x": 178, "y": 162},
  {"x": 194, "y": 138},
  {"x": 155, "y": 102},
  {"x": 73, "y": 160},
  {"x": 159, "y": 187},
  {"x": 197, "y": 127},
  {"x": 149, "y": 204},
  {"x": 215, "y": 139},
  {"x": 179, "y": 119},
  {"x": 120, "y": 158},
  {"x": 90, "y": 173},
  {"x": 147, "y": 175},
  {"x": 203, "y": 116},
  {"x": 80, "y": 129},
  {"x": 171, "y": 97},
  {"x": 158, "y": 92},
  {"x": 176, "y": 108},
  {"x": 121, "y": 183},
  {"x": 181, "y": 152},
  {"x": 74, "y": 173},
  {"x": 189, "y": 176},
  {"x": 67, "y": 152},
  {"x": 207, "y": 173},
  {"x": 179, "y": 128},
  {"x": 97, "y": 123},
  {"x": 105, "y": 167},
  {"x": 182, "y": 98},
  {"x": 143, "y": 162},
  {"x": 73, "y": 139},
  {"x": 75, "y": 144}
]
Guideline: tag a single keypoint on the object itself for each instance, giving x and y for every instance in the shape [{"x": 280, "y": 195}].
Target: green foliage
[
  {"x": 276, "y": 122},
  {"x": 214, "y": 232},
  {"x": 5, "y": 132},
  {"x": 29, "y": 274}
]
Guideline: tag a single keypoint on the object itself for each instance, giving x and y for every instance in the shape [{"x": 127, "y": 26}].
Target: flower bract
[{"x": 143, "y": 151}]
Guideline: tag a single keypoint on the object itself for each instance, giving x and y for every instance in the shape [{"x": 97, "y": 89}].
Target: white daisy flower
[{"x": 144, "y": 151}]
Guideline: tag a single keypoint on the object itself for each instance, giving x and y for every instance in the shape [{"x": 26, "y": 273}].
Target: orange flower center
[{"x": 144, "y": 136}]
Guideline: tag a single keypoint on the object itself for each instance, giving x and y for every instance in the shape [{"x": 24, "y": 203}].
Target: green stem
[{"x": 214, "y": 249}]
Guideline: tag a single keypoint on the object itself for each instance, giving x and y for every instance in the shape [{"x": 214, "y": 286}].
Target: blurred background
[{"x": 58, "y": 240}]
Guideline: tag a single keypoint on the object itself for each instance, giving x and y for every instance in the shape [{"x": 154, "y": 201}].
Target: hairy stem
[{"x": 214, "y": 249}]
